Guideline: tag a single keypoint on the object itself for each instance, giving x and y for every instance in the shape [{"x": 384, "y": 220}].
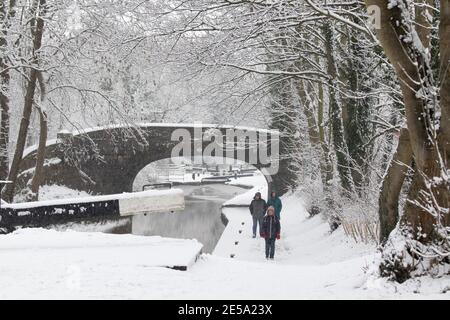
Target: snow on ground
[
  {"x": 257, "y": 184},
  {"x": 40, "y": 263},
  {"x": 251, "y": 181},
  {"x": 302, "y": 238},
  {"x": 309, "y": 263},
  {"x": 52, "y": 192},
  {"x": 245, "y": 198}
]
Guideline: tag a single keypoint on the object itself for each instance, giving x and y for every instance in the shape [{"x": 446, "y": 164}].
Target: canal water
[{"x": 201, "y": 218}]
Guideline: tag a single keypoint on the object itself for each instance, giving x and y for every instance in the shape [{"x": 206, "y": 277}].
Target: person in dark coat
[
  {"x": 270, "y": 231},
  {"x": 257, "y": 208},
  {"x": 275, "y": 202}
]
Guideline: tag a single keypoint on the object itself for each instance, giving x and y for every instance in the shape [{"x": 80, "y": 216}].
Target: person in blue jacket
[{"x": 275, "y": 202}]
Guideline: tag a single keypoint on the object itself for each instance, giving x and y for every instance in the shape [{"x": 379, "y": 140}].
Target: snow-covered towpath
[{"x": 310, "y": 263}]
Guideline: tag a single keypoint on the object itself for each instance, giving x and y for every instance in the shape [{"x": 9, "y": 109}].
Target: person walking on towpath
[
  {"x": 275, "y": 202},
  {"x": 257, "y": 208},
  {"x": 270, "y": 231}
]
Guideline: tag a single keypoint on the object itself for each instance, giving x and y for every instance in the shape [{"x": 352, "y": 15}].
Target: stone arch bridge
[{"x": 106, "y": 160}]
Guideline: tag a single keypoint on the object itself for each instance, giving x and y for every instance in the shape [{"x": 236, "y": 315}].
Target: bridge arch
[{"x": 106, "y": 160}]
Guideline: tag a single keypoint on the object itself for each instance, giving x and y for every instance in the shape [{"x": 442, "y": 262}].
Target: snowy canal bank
[
  {"x": 201, "y": 218},
  {"x": 41, "y": 264},
  {"x": 90, "y": 208}
]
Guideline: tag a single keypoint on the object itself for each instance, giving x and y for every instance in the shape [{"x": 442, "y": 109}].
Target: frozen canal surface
[{"x": 200, "y": 220}]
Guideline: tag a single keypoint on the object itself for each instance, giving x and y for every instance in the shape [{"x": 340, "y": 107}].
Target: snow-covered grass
[{"x": 53, "y": 192}]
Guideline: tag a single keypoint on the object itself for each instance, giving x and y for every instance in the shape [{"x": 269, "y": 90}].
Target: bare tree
[
  {"x": 37, "y": 30},
  {"x": 7, "y": 13}
]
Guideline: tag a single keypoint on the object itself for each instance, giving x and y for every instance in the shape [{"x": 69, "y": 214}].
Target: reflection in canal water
[{"x": 200, "y": 220}]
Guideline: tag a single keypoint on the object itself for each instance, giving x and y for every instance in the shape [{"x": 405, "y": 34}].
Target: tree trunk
[
  {"x": 389, "y": 34},
  {"x": 343, "y": 165},
  {"x": 4, "y": 124},
  {"x": 392, "y": 186},
  {"x": 40, "y": 157},
  {"x": 38, "y": 25},
  {"x": 357, "y": 105},
  {"x": 412, "y": 68},
  {"x": 284, "y": 118},
  {"x": 444, "y": 36},
  {"x": 316, "y": 135},
  {"x": 6, "y": 15}
]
